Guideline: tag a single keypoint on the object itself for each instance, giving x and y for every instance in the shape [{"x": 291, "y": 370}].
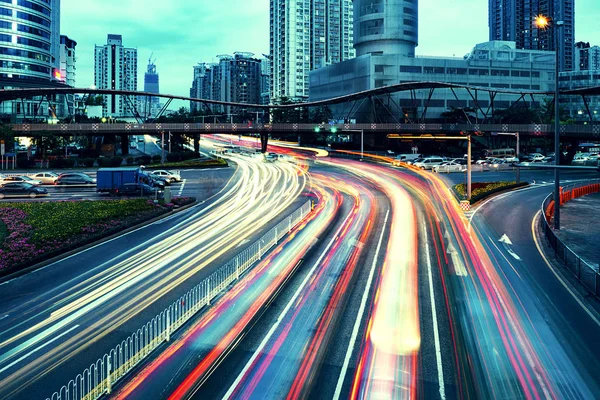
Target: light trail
[
  {"x": 125, "y": 285},
  {"x": 288, "y": 358},
  {"x": 205, "y": 344}
]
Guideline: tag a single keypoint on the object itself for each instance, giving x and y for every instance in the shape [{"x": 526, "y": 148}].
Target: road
[
  {"x": 443, "y": 309},
  {"x": 58, "y": 320}
]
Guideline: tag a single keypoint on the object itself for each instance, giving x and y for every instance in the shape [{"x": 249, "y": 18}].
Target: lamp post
[{"x": 543, "y": 23}]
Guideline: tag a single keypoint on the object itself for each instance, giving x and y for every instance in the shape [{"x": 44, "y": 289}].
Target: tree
[
  {"x": 289, "y": 115},
  {"x": 459, "y": 114}
]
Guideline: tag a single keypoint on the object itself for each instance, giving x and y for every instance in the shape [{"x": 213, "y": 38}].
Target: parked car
[
  {"x": 581, "y": 159},
  {"x": 548, "y": 160},
  {"x": 170, "y": 175},
  {"x": 136, "y": 189},
  {"x": 21, "y": 189},
  {"x": 24, "y": 179},
  {"x": 450, "y": 166},
  {"x": 73, "y": 179},
  {"x": 429, "y": 163},
  {"x": 47, "y": 178}
]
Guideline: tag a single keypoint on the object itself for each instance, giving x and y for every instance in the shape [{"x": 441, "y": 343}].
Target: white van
[
  {"x": 402, "y": 158},
  {"x": 429, "y": 163}
]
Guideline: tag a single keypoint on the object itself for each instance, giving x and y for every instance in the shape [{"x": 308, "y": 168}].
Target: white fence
[{"x": 98, "y": 378}]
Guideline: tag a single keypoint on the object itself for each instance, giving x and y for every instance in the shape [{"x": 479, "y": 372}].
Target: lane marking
[
  {"x": 436, "y": 335},
  {"x": 182, "y": 186},
  {"x": 38, "y": 348},
  {"x": 361, "y": 310},
  {"x": 560, "y": 279},
  {"x": 289, "y": 305},
  {"x": 6, "y": 316}
]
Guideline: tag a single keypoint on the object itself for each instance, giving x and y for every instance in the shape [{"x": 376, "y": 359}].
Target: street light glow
[{"x": 542, "y": 21}]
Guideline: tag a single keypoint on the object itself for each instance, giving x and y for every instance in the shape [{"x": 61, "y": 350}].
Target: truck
[{"x": 110, "y": 180}]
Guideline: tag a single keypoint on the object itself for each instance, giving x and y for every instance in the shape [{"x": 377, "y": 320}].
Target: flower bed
[
  {"x": 40, "y": 230},
  {"x": 481, "y": 190}
]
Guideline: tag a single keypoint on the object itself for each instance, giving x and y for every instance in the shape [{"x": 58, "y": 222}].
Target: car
[
  {"x": 47, "y": 178},
  {"x": 23, "y": 178},
  {"x": 534, "y": 157},
  {"x": 159, "y": 180},
  {"x": 429, "y": 163},
  {"x": 548, "y": 160},
  {"x": 460, "y": 161},
  {"x": 170, "y": 175},
  {"x": 140, "y": 138},
  {"x": 581, "y": 159},
  {"x": 21, "y": 189},
  {"x": 73, "y": 179},
  {"x": 134, "y": 189},
  {"x": 270, "y": 157},
  {"x": 450, "y": 166}
]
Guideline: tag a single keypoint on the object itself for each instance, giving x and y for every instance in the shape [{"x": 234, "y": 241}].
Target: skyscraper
[
  {"x": 389, "y": 27},
  {"x": 306, "y": 35},
  {"x": 115, "y": 67},
  {"x": 234, "y": 78},
  {"x": 68, "y": 69},
  {"x": 30, "y": 55},
  {"x": 150, "y": 106},
  {"x": 587, "y": 58},
  {"x": 513, "y": 20}
]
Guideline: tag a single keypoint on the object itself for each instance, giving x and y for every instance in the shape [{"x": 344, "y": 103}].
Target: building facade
[
  {"x": 586, "y": 57},
  {"x": 115, "y": 67},
  {"x": 68, "y": 69},
  {"x": 494, "y": 64},
  {"x": 513, "y": 20},
  {"x": 576, "y": 108},
  {"x": 30, "y": 57},
  {"x": 386, "y": 27},
  {"x": 265, "y": 79},
  {"x": 149, "y": 107},
  {"x": 234, "y": 78},
  {"x": 306, "y": 35}
]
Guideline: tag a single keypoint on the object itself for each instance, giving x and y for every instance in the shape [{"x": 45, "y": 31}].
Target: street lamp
[{"x": 543, "y": 22}]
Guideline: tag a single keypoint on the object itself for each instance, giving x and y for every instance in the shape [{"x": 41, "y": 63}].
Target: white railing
[{"x": 98, "y": 378}]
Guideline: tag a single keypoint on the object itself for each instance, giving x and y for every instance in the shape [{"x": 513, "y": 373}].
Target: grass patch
[
  {"x": 213, "y": 163},
  {"x": 481, "y": 190},
  {"x": 41, "y": 230}
]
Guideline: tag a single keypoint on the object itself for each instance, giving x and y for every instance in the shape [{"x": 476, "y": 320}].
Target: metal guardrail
[
  {"x": 585, "y": 273},
  {"x": 98, "y": 378}
]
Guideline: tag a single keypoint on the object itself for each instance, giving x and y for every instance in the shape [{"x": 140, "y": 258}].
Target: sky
[{"x": 181, "y": 33}]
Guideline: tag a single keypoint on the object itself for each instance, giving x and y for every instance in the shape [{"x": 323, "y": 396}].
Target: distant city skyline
[{"x": 182, "y": 34}]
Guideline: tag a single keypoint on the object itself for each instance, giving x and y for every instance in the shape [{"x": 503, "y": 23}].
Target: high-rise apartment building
[
  {"x": 587, "y": 58},
  {"x": 306, "y": 35},
  {"x": 513, "y": 20},
  {"x": 234, "y": 78},
  {"x": 115, "y": 67},
  {"x": 265, "y": 79},
  {"x": 68, "y": 69}
]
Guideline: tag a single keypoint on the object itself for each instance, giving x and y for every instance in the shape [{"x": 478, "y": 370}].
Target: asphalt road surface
[{"x": 58, "y": 320}]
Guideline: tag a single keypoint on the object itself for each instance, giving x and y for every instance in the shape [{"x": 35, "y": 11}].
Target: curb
[{"x": 31, "y": 268}]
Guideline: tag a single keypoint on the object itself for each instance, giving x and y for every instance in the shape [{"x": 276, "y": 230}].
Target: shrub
[
  {"x": 187, "y": 155},
  {"x": 103, "y": 162},
  {"x": 156, "y": 158},
  {"x": 69, "y": 162},
  {"x": 116, "y": 161},
  {"x": 481, "y": 190},
  {"x": 173, "y": 157},
  {"x": 57, "y": 163},
  {"x": 129, "y": 160},
  {"x": 145, "y": 160},
  {"x": 87, "y": 162}
]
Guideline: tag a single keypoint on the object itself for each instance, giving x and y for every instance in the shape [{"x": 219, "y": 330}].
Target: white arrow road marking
[{"x": 504, "y": 239}]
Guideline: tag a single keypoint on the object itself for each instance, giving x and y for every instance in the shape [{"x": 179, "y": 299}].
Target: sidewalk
[{"x": 580, "y": 227}]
